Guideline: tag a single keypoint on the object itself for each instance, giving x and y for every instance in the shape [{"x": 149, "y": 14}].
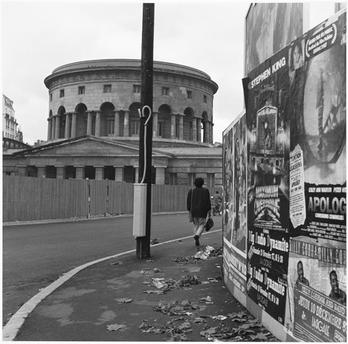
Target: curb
[{"x": 10, "y": 330}]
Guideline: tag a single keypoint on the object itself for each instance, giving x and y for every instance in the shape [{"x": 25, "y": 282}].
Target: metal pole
[{"x": 145, "y": 134}]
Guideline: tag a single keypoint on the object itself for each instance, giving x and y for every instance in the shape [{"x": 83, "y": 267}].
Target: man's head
[
  {"x": 334, "y": 281},
  {"x": 300, "y": 270},
  {"x": 199, "y": 182}
]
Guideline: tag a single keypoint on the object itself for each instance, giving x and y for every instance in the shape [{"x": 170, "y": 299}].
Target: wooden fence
[{"x": 28, "y": 199}]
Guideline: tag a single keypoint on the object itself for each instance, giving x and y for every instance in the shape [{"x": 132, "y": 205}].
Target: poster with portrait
[
  {"x": 269, "y": 28},
  {"x": 235, "y": 205},
  {"x": 268, "y": 192},
  {"x": 316, "y": 301}
]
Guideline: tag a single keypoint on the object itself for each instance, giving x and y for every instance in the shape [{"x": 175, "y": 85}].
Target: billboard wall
[
  {"x": 295, "y": 153},
  {"x": 269, "y": 28}
]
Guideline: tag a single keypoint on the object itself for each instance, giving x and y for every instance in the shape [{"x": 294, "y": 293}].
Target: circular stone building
[{"x": 93, "y": 124}]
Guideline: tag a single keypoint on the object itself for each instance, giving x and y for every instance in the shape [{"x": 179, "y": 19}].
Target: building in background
[
  {"x": 93, "y": 125},
  {"x": 12, "y": 137}
]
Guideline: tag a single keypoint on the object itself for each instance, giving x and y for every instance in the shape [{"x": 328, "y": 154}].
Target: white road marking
[{"x": 12, "y": 327}]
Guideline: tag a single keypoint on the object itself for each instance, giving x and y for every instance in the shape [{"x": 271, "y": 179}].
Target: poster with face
[
  {"x": 269, "y": 28},
  {"x": 235, "y": 217},
  {"x": 316, "y": 301},
  {"x": 268, "y": 192}
]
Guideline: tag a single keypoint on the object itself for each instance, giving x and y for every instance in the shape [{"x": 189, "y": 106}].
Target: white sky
[{"x": 38, "y": 36}]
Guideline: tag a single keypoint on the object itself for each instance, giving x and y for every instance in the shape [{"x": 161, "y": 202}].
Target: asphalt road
[{"x": 36, "y": 255}]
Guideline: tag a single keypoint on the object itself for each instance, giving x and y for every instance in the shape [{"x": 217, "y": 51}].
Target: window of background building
[
  {"x": 110, "y": 125},
  {"x": 50, "y": 97},
  {"x": 160, "y": 128},
  {"x": 134, "y": 127},
  {"x": 107, "y": 88},
  {"x": 61, "y": 93},
  {"x": 136, "y": 88},
  {"x": 81, "y": 90},
  {"x": 165, "y": 91},
  {"x": 205, "y": 99},
  {"x": 189, "y": 94}
]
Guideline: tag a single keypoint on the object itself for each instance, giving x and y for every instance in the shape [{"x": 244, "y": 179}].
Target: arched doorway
[
  {"x": 134, "y": 121},
  {"x": 81, "y": 119},
  {"x": 107, "y": 119},
  {"x": 188, "y": 124},
  {"x": 164, "y": 121}
]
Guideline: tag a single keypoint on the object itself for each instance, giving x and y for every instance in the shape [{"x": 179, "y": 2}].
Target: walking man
[{"x": 199, "y": 206}]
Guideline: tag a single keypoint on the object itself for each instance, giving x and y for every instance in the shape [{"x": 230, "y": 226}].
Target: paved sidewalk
[{"x": 152, "y": 300}]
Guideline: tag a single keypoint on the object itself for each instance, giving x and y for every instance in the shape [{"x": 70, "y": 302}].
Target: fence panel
[{"x": 28, "y": 198}]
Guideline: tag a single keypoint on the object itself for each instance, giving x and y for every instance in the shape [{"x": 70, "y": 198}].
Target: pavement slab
[{"x": 108, "y": 301}]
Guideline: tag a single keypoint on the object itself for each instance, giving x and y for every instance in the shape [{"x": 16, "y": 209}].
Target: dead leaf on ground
[
  {"x": 116, "y": 327},
  {"x": 158, "y": 292},
  {"x": 259, "y": 337},
  {"x": 124, "y": 300}
]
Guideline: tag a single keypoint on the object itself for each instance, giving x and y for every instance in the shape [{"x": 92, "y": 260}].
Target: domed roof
[{"x": 125, "y": 64}]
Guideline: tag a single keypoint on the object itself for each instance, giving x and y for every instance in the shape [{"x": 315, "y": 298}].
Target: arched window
[
  {"x": 134, "y": 121},
  {"x": 107, "y": 119},
  {"x": 164, "y": 121},
  {"x": 61, "y": 114},
  {"x": 81, "y": 119}
]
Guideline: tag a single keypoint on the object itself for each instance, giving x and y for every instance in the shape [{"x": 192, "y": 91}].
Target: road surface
[{"x": 36, "y": 255}]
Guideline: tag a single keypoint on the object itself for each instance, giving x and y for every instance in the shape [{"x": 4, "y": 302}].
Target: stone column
[
  {"x": 57, "y": 127},
  {"x": 97, "y": 124},
  {"x": 199, "y": 129},
  {"x": 160, "y": 175},
  {"x": 118, "y": 174},
  {"x": 79, "y": 172},
  {"x": 67, "y": 125},
  {"x": 172, "y": 126},
  {"x": 41, "y": 171},
  {"x": 117, "y": 123},
  {"x": 194, "y": 129},
  {"x": 126, "y": 124},
  {"x": 99, "y": 173},
  {"x": 49, "y": 123},
  {"x": 89, "y": 123},
  {"x": 53, "y": 127},
  {"x": 211, "y": 132},
  {"x": 155, "y": 124},
  {"x": 73, "y": 124},
  {"x": 60, "y": 172},
  {"x": 181, "y": 127}
]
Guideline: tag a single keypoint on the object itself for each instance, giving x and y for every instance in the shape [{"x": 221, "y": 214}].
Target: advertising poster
[
  {"x": 268, "y": 184},
  {"x": 235, "y": 214},
  {"x": 316, "y": 301},
  {"x": 228, "y": 186},
  {"x": 269, "y": 28}
]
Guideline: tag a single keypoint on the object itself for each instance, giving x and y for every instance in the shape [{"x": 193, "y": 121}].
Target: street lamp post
[{"x": 145, "y": 134}]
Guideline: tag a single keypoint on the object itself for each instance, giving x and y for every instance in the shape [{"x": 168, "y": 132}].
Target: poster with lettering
[
  {"x": 316, "y": 300},
  {"x": 235, "y": 243},
  {"x": 227, "y": 161},
  {"x": 268, "y": 184}
]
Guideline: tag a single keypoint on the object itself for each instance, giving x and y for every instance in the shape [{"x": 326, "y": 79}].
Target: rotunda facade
[{"x": 102, "y": 97}]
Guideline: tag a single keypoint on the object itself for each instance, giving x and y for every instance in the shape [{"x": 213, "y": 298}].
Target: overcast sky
[{"x": 38, "y": 36}]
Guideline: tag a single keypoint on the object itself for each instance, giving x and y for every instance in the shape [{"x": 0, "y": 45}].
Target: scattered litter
[
  {"x": 188, "y": 280},
  {"x": 199, "y": 320},
  {"x": 259, "y": 337},
  {"x": 146, "y": 282},
  {"x": 219, "y": 317},
  {"x": 185, "y": 326},
  {"x": 175, "y": 308},
  {"x": 185, "y": 260},
  {"x": 205, "y": 282},
  {"x": 159, "y": 283},
  {"x": 149, "y": 260},
  {"x": 217, "y": 252},
  {"x": 116, "y": 327},
  {"x": 213, "y": 280},
  {"x": 207, "y": 300},
  {"x": 124, "y": 300},
  {"x": 115, "y": 263},
  {"x": 158, "y": 292},
  {"x": 154, "y": 241},
  {"x": 218, "y": 266},
  {"x": 156, "y": 270}
]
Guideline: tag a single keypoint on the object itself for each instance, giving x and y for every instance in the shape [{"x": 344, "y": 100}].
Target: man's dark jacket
[{"x": 200, "y": 202}]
